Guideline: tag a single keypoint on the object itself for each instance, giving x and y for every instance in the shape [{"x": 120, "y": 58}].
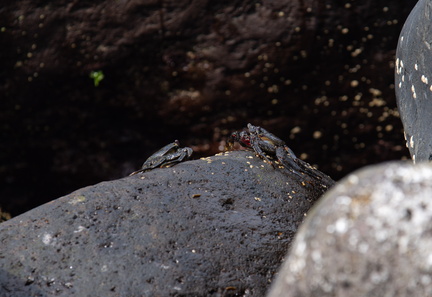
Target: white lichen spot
[
  {"x": 257, "y": 198},
  {"x": 413, "y": 158},
  {"x": 416, "y": 66},
  {"x": 341, "y": 225},
  {"x": 398, "y": 69},
  {"x": 381, "y": 235},
  {"x": 403, "y": 243},
  {"x": 424, "y": 79},
  {"x": 411, "y": 142},
  {"x": 430, "y": 88},
  {"x": 400, "y": 85},
  {"x": 47, "y": 238},
  {"x": 403, "y": 78},
  {"x": 353, "y": 179},
  {"x": 343, "y": 200},
  {"x": 414, "y": 94},
  {"x": 79, "y": 229},
  {"x": 402, "y": 38},
  {"x": 401, "y": 64},
  {"x": 429, "y": 260}
]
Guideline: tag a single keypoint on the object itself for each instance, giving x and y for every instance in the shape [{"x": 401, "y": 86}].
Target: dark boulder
[
  {"x": 413, "y": 80},
  {"x": 218, "y": 226},
  {"x": 368, "y": 236}
]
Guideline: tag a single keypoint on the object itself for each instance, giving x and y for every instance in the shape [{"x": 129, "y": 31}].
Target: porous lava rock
[
  {"x": 413, "y": 80},
  {"x": 319, "y": 74},
  {"x": 368, "y": 236},
  {"x": 219, "y": 226}
]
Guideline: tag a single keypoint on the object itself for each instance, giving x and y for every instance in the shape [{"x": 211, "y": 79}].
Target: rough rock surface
[
  {"x": 368, "y": 236},
  {"x": 212, "y": 227},
  {"x": 319, "y": 74},
  {"x": 413, "y": 80}
]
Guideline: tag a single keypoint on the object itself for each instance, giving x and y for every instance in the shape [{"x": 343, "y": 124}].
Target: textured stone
[
  {"x": 368, "y": 236},
  {"x": 219, "y": 226},
  {"x": 413, "y": 80}
]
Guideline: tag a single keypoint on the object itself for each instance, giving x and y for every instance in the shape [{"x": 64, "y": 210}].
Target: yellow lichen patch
[{"x": 77, "y": 199}]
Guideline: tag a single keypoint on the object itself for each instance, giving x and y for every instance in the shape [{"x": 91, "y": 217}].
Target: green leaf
[{"x": 97, "y": 77}]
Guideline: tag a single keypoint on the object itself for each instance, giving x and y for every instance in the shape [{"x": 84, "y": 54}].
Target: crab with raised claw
[
  {"x": 167, "y": 156},
  {"x": 266, "y": 144}
]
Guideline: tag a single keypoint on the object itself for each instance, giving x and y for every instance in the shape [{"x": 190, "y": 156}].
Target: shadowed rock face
[
  {"x": 413, "y": 80},
  {"x": 370, "y": 235},
  {"x": 212, "y": 227}
]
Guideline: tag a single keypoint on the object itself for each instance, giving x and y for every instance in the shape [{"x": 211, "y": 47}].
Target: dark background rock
[
  {"x": 212, "y": 227},
  {"x": 370, "y": 235},
  {"x": 318, "y": 74},
  {"x": 413, "y": 80}
]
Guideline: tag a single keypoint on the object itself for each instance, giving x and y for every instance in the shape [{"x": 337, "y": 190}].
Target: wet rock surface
[
  {"x": 218, "y": 226},
  {"x": 319, "y": 74},
  {"x": 368, "y": 236},
  {"x": 413, "y": 80}
]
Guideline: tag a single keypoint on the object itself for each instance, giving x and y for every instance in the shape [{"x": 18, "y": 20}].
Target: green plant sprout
[{"x": 97, "y": 77}]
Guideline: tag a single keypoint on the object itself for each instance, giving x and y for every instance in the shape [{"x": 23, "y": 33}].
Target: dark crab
[
  {"x": 269, "y": 147},
  {"x": 167, "y": 156}
]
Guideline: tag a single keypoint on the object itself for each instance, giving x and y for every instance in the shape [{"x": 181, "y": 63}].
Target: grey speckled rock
[
  {"x": 413, "y": 80},
  {"x": 368, "y": 236},
  {"x": 213, "y": 227}
]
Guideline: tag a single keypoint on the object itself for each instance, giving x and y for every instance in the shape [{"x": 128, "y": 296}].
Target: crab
[
  {"x": 266, "y": 145},
  {"x": 167, "y": 156},
  {"x": 263, "y": 143}
]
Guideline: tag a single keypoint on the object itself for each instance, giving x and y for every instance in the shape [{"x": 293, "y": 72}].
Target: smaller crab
[{"x": 167, "y": 156}]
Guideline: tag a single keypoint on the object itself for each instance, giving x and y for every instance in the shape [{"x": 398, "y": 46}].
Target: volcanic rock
[
  {"x": 413, "y": 80},
  {"x": 218, "y": 226},
  {"x": 368, "y": 236}
]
